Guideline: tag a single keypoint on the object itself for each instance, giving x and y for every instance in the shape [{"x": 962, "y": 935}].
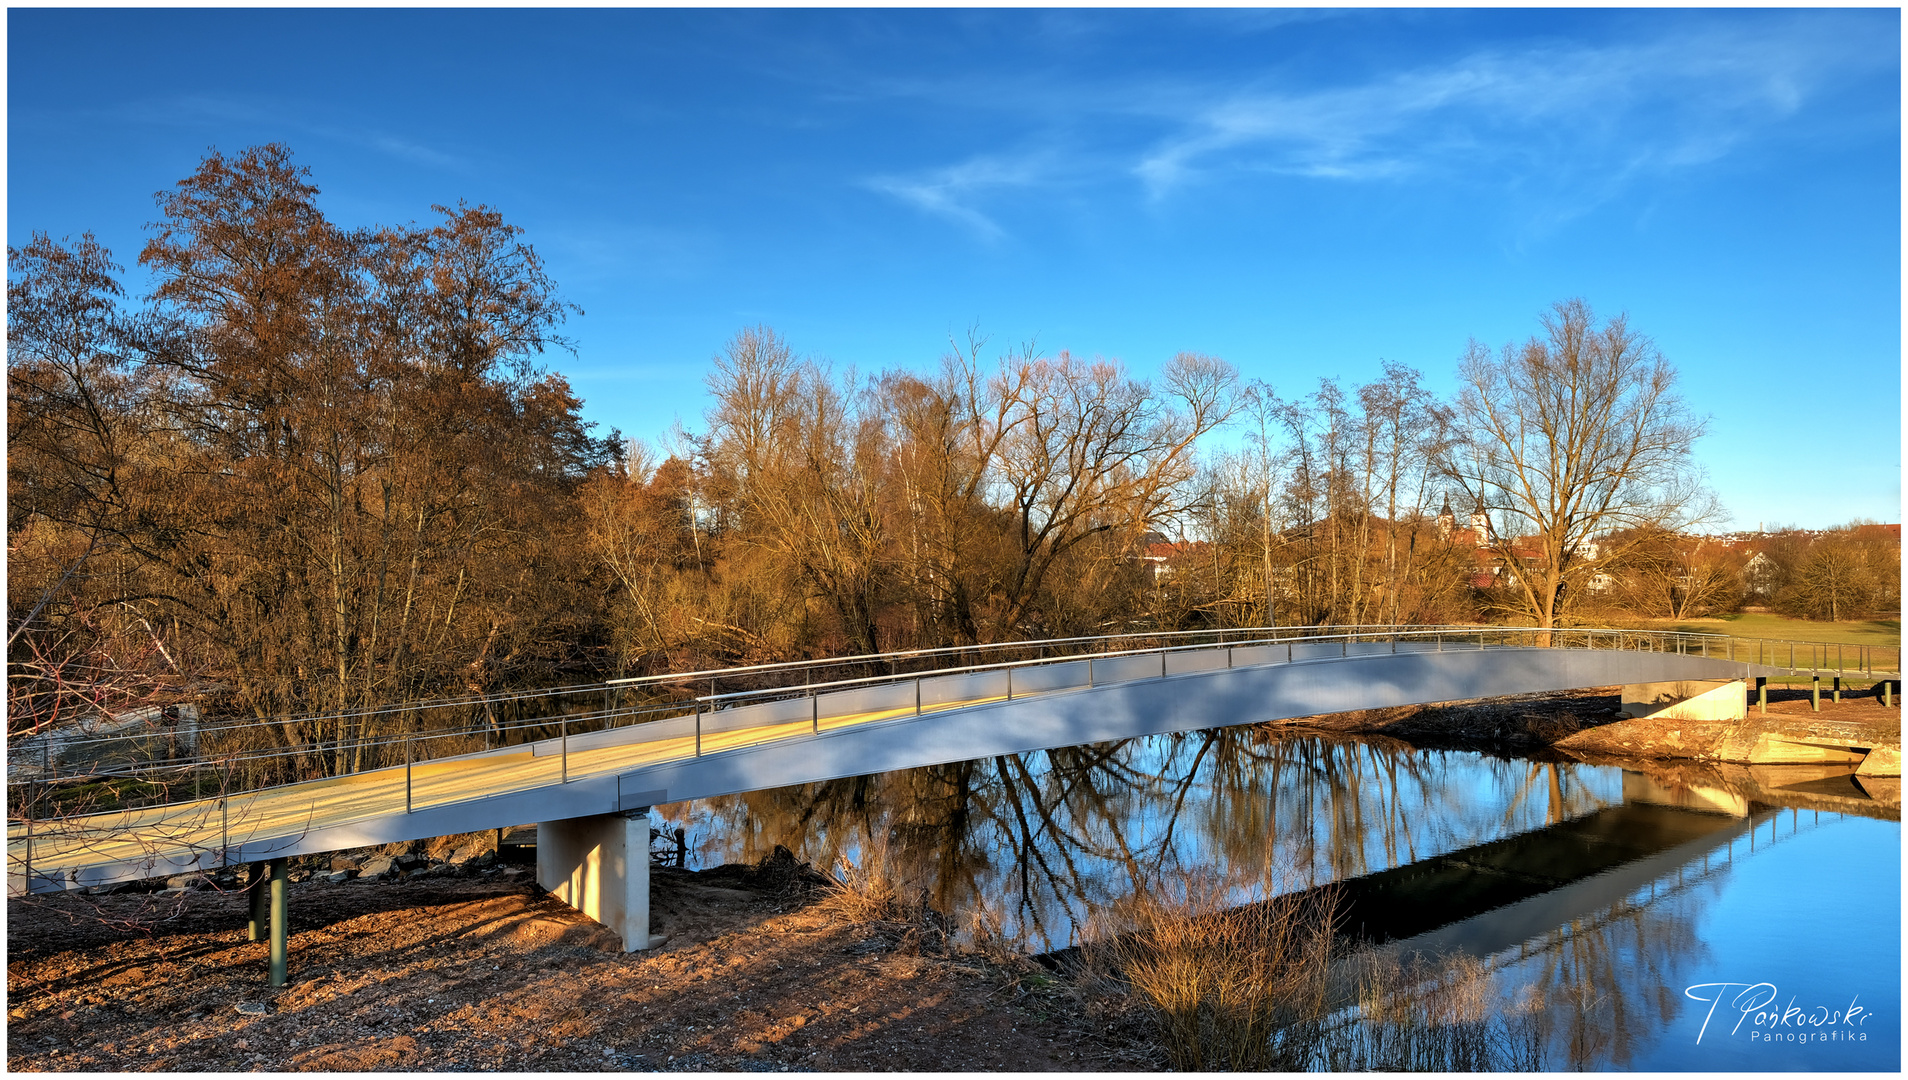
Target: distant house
[{"x": 1160, "y": 556}]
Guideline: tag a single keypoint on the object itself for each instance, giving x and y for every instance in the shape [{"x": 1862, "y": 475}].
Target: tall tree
[{"x": 1567, "y": 439}]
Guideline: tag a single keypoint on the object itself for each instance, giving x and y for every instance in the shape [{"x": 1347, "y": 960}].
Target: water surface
[{"x": 1643, "y": 925}]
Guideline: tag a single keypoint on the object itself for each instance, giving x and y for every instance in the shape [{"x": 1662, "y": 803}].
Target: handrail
[
  {"x": 1328, "y": 634},
  {"x": 507, "y": 697},
  {"x": 620, "y": 716}
]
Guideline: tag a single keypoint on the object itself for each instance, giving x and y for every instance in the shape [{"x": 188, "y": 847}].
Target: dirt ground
[
  {"x": 476, "y": 970},
  {"x": 471, "y": 967},
  {"x": 1534, "y": 724}
]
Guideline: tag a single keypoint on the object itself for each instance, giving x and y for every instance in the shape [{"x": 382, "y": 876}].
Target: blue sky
[{"x": 1302, "y": 193}]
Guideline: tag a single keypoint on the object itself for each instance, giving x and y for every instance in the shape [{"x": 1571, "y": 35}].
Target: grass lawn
[{"x": 1758, "y": 624}]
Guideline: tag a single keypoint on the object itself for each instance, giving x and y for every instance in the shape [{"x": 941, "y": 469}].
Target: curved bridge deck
[{"x": 752, "y": 740}]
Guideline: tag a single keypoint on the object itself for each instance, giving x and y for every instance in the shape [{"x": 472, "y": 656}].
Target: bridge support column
[
  {"x": 1706, "y": 700},
  {"x": 599, "y": 865},
  {"x": 256, "y": 899},
  {"x": 1762, "y": 693},
  {"x": 281, "y": 921}
]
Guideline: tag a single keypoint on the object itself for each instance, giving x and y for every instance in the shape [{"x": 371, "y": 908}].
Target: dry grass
[
  {"x": 1233, "y": 989},
  {"x": 868, "y": 891},
  {"x": 1250, "y": 988}
]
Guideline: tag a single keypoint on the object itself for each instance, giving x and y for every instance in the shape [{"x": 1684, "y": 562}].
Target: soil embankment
[
  {"x": 1585, "y": 725},
  {"x": 475, "y": 969},
  {"x": 1588, "y": 722}
]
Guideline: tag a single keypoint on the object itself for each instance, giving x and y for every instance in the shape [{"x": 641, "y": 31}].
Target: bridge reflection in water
[{"x": 1597, "y": 876}]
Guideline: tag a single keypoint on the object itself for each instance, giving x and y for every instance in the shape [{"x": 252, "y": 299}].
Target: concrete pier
[{"x": 599, "y": 865}]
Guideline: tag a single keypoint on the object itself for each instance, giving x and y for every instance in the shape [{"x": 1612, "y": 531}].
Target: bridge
[{"x": 595, "y": 758}]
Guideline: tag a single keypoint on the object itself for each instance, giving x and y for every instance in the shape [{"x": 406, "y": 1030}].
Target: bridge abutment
[
  {"x": 599, "y": 865},
  {"x": 1708, "y": 699}
]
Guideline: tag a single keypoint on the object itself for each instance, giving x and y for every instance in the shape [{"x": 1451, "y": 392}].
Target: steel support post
[
  {"x": 281, "y": 922},
  {"x": 1838, "y": 689},
  {"x": 1815, "y": 693},
  {"x": 1762, "y": 693}
]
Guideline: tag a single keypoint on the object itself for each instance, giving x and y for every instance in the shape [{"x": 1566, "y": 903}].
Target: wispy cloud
[
  {"x": 1672, "y": 102},
  {"x": 200, "y": 111},
  {"x": 952, "y": 192},
  {"x": 1561, "y": 126}
]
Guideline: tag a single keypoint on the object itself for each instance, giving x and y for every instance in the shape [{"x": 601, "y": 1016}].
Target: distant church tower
[
  {"x": 1445, "y": 519},
  {"x": 1481, "y": 525}
]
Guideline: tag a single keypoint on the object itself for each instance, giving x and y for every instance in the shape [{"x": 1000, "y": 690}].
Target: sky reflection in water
[{"x": 1038, "y": 843}]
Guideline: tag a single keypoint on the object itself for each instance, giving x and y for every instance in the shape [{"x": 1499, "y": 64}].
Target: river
[{"x": 1631, "y": 921}]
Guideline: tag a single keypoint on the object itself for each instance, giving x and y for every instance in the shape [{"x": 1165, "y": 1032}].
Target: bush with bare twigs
[{"x": 1234, "y": 988}]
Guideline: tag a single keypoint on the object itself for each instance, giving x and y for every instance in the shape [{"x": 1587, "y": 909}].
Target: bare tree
[{"x": 1567, "y": 439}]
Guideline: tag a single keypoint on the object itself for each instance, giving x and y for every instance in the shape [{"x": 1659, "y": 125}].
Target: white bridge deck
[{"x": 905, "y": 722}]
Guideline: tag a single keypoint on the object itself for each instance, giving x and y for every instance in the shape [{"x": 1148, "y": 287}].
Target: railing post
[
  {"x": 698, "y": 729},
  {"x": 1089, "y": 673},
  {"x": 563, "y": 730},
  {"x": 814, "y": 711},
  {"x": 917, "y": 695},
  {"x": 1010, "y": 684},
  {"x": 407, "y": 776},
  {"x": 1162, "y": 666}
]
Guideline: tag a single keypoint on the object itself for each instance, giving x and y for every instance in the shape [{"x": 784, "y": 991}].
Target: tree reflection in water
[
  {"x": 1045, "y": 840},
  {"x": 1045, "y": 843},
  {"x": 1610, "y": 982}
]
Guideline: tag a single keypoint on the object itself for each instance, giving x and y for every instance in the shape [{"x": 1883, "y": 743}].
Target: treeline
[
  {"x": 321, "y": 469},
  {"x": 1848, "y": 572},
  {"x": 316, "y": 469}
]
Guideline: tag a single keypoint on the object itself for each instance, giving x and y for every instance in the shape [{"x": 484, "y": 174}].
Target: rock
[
  {"x": 409, "y": 862},
  {"x": 248, "y": 1008},
  {"x": 343, "y": 862},
  {"x": 377, "y": 867},
  {"x": 339, "y": 877},
  {"x": 187, "y": 881}
]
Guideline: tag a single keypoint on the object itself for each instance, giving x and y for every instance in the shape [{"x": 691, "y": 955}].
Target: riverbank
[
  {"x": 474, "y": 968},
  {"x": 462, "y": 963},
  {"x": 1581, "y": 724}
]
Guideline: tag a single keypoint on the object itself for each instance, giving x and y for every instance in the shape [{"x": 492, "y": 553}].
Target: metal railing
[{"x": 239, "y": 757}]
